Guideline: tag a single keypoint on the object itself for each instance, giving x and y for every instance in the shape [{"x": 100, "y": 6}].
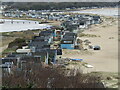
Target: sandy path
[
  {"x": 107, "y": 58},
  {"x": 3, "y": 48}
]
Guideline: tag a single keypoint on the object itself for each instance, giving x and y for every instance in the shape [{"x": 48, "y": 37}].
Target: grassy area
[
  {"x": 74, "y": 63},
  {"x": 7, "y": 51},
  {"x": 77, "y": 52},
  {"x": 23, "y": 34},
  {"x": 109, "y": 78},
  {"x": 87, "y": 35},
  {"x": 8, "y": 37}
]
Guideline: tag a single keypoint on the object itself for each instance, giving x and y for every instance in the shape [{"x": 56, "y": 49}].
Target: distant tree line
[{"x": 56, "y": 6}]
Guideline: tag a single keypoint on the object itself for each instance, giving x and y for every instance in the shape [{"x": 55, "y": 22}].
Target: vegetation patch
[
  {"x": 48, "y": 77},
  {"x": 87, "y": 35},
  {"x": 21, "y": 34},
  {"x": 17, "y": 43},
  {"x": 7, "y": 51},
  {"x": 109, "y": 78}
]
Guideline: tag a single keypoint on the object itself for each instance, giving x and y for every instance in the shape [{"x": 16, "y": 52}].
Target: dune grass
[{"x": 87, "y": 35}]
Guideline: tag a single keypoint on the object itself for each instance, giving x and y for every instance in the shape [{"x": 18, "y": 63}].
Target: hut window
[
  {"x": 67, "y": 41},
  {"x": 81, "y": 23}
]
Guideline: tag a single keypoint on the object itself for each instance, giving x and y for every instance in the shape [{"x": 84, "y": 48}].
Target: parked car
[{"x": 96, "y": 47}]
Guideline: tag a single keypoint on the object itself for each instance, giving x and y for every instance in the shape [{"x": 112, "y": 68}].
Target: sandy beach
[
  {"x": 100, "y": 11},
  {"x": 106, "y": 59}
]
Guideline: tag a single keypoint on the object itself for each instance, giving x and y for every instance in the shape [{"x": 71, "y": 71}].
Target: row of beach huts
[
  {"x": 55, "y": 16},
  {"x": 40, "y": 48}
]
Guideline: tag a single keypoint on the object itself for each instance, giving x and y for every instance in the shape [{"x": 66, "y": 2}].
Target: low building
[
  {"x": 47, "y": 35},
  {"x": 38, "y": 46},
  {"x": 23, "y": 51},
  {"x": 68, "y": 41},
  {"x": 48, "y": 56},
  {"x": 58, "y": 35},
  {"x": 83, "y": 23},
  {"x": 96, "y": 19}
]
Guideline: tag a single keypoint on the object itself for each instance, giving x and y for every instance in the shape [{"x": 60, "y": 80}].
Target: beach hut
[
  {"x": 59, "y": 51},
  {"x": 58, "y": 34},
  {"x": 48, "y": 56},
  {"x": 82, "y": 23},
  {"x": 38, "y": 46},
  {"x": 41, "y": 56},
  {"x": 68, "y": 41},
  {"x": 96, "y": 19}
]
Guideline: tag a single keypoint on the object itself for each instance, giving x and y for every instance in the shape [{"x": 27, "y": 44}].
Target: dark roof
[
  {"x": 68, "y": 38},
  {"x": 72, "y": 27},
  {"x": 44, "y": 47},
  {"x": 38, "y": 44},
  {"x": 44, "y": 52},
  {"x": 11, "y": 55},
  {"x": 70, "y": 34},
  {"x": 96, "y": 17},
  {"x": 87, "y": 15},
  {"x": 41, "y": 38},
  {"x": 67, "y": 23},
  {"x": 48, "y": 31},
  {"x": 54, "y": 27},
  {"x": 45, "y": 34}
]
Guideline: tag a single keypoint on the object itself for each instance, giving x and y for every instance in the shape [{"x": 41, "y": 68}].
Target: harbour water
[{"x": 19, "y": 25}]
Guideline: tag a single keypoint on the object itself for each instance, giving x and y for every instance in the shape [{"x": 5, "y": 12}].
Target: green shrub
[
  {"x": 17, "y": 43},
  {"x": 87, "y": 35}
]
